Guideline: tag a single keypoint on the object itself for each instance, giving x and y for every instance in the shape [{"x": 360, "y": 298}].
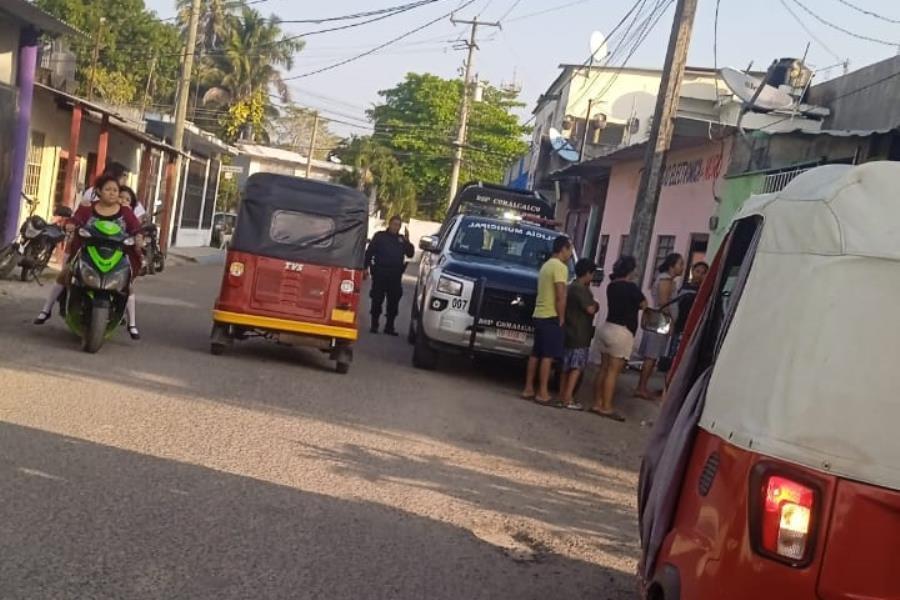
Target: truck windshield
[{"x": 503, "y": 241}]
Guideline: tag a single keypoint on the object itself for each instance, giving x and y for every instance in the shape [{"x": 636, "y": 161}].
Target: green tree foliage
[
  {"x": 130, "y": 37},
  {"x": 244, "y": 68},
  {"x": 417, "y": 123},
  {"x": 293, "y": 129},
  {"x": 376, "y": 171}
]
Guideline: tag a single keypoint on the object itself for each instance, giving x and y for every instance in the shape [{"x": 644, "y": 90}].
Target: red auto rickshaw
[
  {"x": 294, "y": 266},
  {"x": 773, "y": 470}
]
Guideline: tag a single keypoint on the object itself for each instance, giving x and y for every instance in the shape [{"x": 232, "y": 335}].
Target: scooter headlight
[
  {"x": 117, "y": 281},
  {"x": 89, "y": 276}
]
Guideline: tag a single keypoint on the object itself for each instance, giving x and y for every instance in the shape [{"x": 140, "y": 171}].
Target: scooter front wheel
[
  {"x": 9, "y": 258},
  {"x": 95, "y": 331}
]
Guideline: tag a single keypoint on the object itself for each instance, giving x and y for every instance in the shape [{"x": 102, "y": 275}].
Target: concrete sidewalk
[{"x": 203, "y": 255}]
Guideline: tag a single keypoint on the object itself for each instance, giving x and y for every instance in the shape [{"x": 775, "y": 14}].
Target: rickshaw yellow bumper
[{"x": 232, "y": 318}]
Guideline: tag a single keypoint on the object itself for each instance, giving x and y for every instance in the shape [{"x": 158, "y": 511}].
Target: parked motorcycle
[
  {"x": 93, "y": 304},
  {"x": 34, "y": 246},
  {"x": 154, "y": 259}
]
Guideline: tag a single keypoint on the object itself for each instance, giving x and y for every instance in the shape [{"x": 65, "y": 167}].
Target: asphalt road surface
[{"x": 155, "y": 470}]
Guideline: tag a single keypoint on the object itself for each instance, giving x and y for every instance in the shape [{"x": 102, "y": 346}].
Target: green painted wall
[{"x": 736, "y": 191}]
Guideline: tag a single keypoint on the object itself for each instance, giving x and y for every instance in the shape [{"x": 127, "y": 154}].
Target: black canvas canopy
[{"x": 299, "y": 219}]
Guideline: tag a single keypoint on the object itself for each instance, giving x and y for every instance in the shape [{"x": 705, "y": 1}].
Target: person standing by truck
[
  {"x": 386, "y": 260},
  {"x": 549, "y": 321},
  {"x": 580, "y": 310}
]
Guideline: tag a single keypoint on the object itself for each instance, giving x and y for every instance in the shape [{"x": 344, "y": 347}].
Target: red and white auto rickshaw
[{"x": 774, "y": 468}]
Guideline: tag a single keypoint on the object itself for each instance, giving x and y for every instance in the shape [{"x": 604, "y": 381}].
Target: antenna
[{"x": 754, "y": 93}]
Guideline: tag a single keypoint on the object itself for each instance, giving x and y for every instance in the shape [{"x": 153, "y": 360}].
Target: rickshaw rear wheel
[
  {"x": 342, "y": 368},
  {"x": 218, "y": 339}
]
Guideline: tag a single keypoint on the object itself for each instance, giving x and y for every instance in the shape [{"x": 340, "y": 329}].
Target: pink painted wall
[{"x": 686, "y": 203}]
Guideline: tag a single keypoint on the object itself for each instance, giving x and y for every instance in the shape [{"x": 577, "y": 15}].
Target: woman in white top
[{"x": 654, "y": 345}]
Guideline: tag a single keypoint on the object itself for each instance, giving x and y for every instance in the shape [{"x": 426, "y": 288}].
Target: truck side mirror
[{"x": 429, "y": 243}]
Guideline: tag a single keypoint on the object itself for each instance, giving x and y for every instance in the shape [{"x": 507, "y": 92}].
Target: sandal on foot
[
  {"x": 134, "y": 333},
  {"x": 549, "y": 403},
  {"x": 42, "y": 318},
  {"x": 614, "y": 416},
  {"x": 575, "y": 406}
]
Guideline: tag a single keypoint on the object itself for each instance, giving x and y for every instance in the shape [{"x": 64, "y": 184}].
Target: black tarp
[{"x": 302, "y": 220}]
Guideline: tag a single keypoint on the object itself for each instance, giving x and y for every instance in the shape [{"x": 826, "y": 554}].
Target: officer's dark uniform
[{"x": 386, "y": 259}]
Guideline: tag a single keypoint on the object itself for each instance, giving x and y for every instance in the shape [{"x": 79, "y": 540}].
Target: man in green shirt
[
  {"x": 549, "y": 320},
  {"x": 580, "y": 310}
]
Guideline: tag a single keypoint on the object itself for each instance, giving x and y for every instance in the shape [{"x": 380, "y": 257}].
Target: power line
[
  {"x": 858, "y": 36},
  {"x": 360, "y": 15},
  {"x": 809, "y": 31},
  {"x": 378, "y": 47},
  {"x": 869, "y": 12},
  {"x": 511, "y": 8},
  {"x": 547, "y": 10}
]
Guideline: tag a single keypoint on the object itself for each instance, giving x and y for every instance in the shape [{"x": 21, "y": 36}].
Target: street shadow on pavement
[{"x": 82, "y": 520}]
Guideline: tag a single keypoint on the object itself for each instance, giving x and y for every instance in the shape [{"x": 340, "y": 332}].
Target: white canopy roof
[{"x": 808, "y": 370}]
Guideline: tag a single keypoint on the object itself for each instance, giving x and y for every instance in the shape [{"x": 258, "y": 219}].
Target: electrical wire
[
  {"x": 828, "y": 23},
  {"x": 376, "y": 48},
  {"x": 509, "y": 10},
  {"x": 548, "y": 10},
  {"x": 809, "y": 32},
  {"x": 869, "y": 12},
  {"x": 361, "y": 15}
]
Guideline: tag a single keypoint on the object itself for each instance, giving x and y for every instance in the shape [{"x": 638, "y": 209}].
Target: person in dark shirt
[
  {"x": 686, "y": 296},
  {"x": 615, "y": 339},
  {"x": 580, "y": 310},
  {"x": 386, "y": 260}
]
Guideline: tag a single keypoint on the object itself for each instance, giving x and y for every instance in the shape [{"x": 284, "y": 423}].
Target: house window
[
  {"x": 601, "y": 253},
  {"x": 665, "y": 245},
  {"x": 623, "y": 243},
  {"x": 33, "y": 166}
]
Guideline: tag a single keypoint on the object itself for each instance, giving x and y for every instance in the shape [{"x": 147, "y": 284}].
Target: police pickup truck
[{"x": 478, "y": 276}]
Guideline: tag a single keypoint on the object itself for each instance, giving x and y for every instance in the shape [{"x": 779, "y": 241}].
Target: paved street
[{"x": 155, "y": 470}]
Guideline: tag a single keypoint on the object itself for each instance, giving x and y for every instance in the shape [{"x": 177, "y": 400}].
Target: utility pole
[
  {"x": 312, "y": 144},
  {"x": 183, "y": 94},
  {"x": 95, "y": 56},
  {"x": 584, "y": 134},
  {"x": 660, "y": 134},
  {"x": 464, "y": 107},
  {"x": 149, "y": 86}
]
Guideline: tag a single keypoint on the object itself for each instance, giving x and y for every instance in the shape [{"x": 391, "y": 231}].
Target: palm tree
[
  {"x": 212, "y": 21},
  {"x": 247, "y": 60}
]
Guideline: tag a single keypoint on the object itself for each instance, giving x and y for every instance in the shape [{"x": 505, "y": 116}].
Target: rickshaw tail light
[
  {"x": 347, "y": 286},
  {"x": 787, "y": 518},
  {"x": 236, "y": 269}
]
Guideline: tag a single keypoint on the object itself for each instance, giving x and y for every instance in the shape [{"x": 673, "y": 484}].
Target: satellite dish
[
  {"x": 562, "y": 146},
  {"x": 599, "y": 49},
  {"x": 744, "y": 87}
]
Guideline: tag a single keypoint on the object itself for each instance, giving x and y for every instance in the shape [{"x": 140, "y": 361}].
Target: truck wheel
[
  {"x": 424, "y": 356},
  {"x": 95, "y": 330}
]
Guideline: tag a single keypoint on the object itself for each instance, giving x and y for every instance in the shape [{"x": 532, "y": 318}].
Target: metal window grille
[
  {"x": 665, "y": 245},
  {"x": 778, "y": 181},
  {"x": 33, "y": 165}
]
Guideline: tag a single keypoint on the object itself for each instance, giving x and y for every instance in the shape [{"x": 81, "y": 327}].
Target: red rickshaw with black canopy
[{"x": 294, "y": 266}]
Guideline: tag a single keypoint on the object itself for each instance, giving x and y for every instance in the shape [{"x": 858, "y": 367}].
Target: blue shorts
[
  {"x": 576, "y": 359},
  {"x": 549, "y": 339}
]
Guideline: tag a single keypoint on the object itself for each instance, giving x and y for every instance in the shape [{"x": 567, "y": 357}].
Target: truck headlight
[{"x": 449, "y": 286}]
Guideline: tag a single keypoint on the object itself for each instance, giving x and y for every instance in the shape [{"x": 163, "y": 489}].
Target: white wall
[{"x": 9, "y": 51}]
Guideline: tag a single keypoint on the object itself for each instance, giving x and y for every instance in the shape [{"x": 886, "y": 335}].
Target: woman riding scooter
[{"x": 108, "y": 207}]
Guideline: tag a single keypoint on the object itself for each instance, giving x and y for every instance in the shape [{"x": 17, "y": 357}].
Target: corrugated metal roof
[
  {"x": 288, "y": 156},
  {"x": 29, "y": 13}
]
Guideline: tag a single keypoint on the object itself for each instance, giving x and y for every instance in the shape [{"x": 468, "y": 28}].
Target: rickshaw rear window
[{"x": 301, "y": 229}]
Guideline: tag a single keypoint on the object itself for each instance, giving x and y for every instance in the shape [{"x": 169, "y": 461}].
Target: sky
[{"x": 538, "y": 35}]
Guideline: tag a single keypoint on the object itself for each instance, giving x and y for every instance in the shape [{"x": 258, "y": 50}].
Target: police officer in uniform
[{"x": 386, "y": 260}]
